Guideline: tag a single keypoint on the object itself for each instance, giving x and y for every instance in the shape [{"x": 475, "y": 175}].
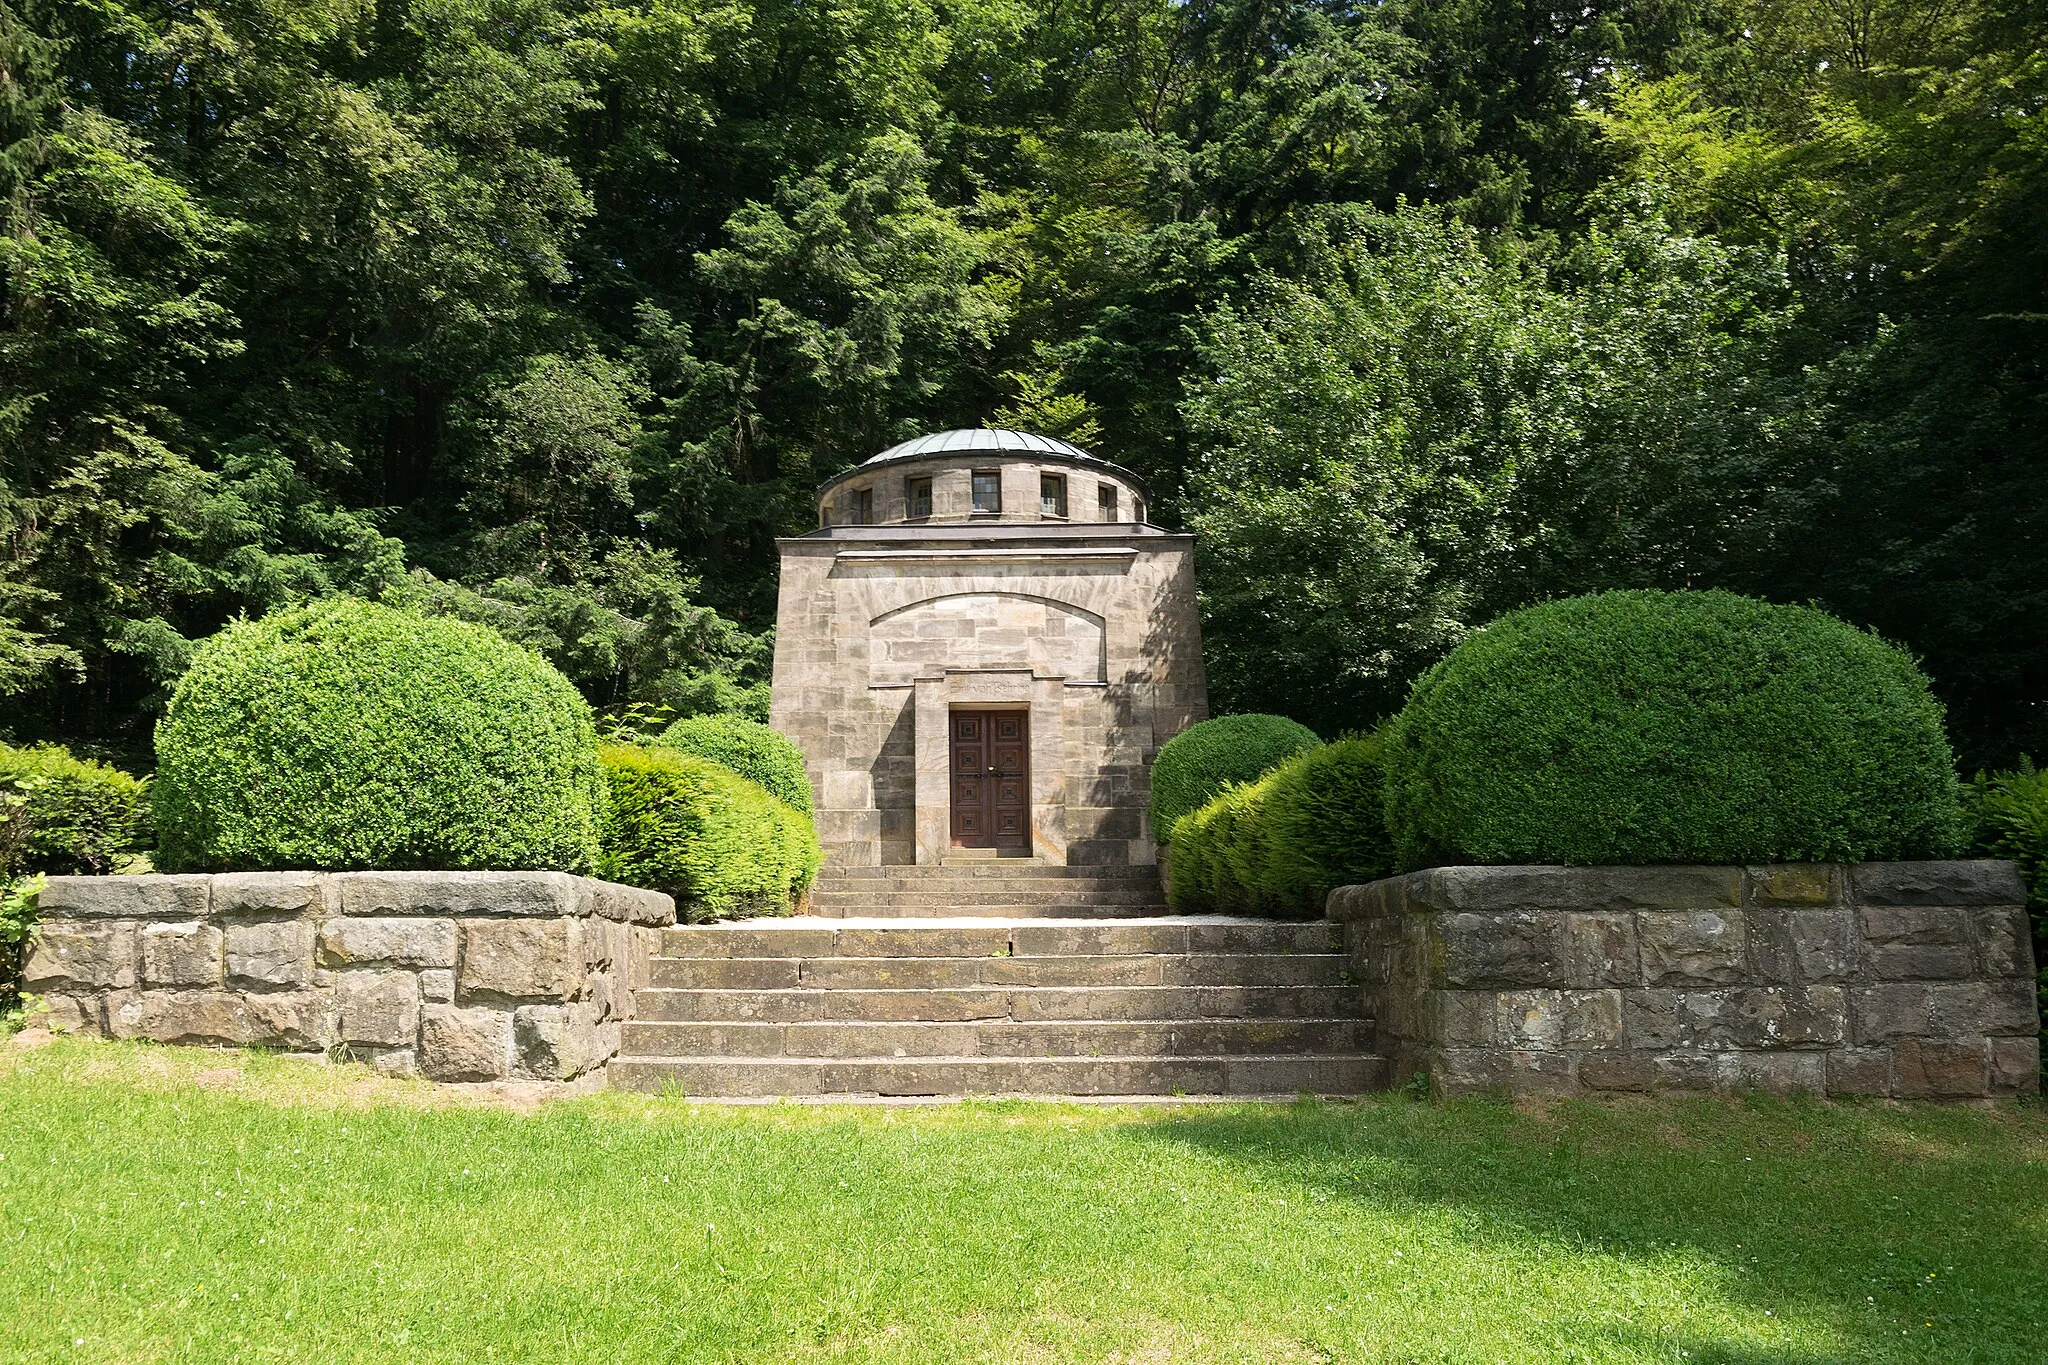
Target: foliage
[
  {"x": 1219, "y": 854},
  {"x": 2008, "y": 817},
  {"x": 352, "y": 735},
  {"x": 1280, "y": 844},
  {"x": 1654, "y": 727},
  {"x": 718, "y": 842},
  {"x": 1325, "y": 813},
  {"x": 550, "y": 315},
  {"x": 1415, "y": 429},
  {"x": 750, "y": 749},
  {"x": 17, "y": 923},
  {"x": 68, "y": 816},
  {"x": 1196, "y": 763}
]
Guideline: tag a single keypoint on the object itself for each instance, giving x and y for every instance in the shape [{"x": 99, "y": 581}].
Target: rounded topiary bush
[
  {"x": 1653, "y": 727},
  {"x": 750, "y": 749},
  {"x": 718, "y": 842},
  {"x": 1196, "y": 764},
  {"x": 351, "y": 735}
]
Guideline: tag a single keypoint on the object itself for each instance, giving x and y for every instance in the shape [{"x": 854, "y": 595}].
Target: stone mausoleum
[{"x": 980, "y": 649}]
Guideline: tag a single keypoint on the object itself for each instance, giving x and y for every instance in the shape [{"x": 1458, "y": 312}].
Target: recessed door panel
[{"x": 991, "y": 779}]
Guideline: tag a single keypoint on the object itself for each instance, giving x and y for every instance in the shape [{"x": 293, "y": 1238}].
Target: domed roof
[
  {"x": 994, "y": 440},
  {"x": 967, "y": 440}
]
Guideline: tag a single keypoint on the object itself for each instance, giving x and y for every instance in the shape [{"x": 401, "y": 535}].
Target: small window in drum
[
  {"x": 1138, "y": 510},
  {"x": 917, "y": 498},
  {"x": 1052, "y": 495},
  {"x": 863, "y": 506},
  {"x": 1105, "y": 500},
  {"x": 988, "y": 490}
]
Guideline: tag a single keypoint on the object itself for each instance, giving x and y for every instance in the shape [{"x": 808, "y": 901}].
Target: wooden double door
[{"x": 991, "y": 779}]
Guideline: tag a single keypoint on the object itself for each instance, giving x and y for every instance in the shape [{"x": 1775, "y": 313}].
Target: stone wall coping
[
  {"x": 1539, "y": 886},
  {"x": 218, "y": 895}
]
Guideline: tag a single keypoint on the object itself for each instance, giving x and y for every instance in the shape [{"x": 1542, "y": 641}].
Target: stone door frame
[{"x": 990, "y": 689}]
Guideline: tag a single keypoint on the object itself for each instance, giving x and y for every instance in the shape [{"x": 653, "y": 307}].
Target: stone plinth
[
  {"x": 457, "y": 976},
  {"x": 1891, "y": 979}
]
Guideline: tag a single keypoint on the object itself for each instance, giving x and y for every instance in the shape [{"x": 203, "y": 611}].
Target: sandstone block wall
[
  {"x": 457, "y": 976},
  {"x": 1892, "y": 979}
]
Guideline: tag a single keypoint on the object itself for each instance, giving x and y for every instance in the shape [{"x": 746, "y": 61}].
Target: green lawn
[{"x": 163, "y": 1204}]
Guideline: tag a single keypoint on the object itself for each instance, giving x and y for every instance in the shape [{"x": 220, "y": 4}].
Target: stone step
[
  {"x": 754, "y": 1077},
  {"x": 993, "y": 868},
  {"x": 991, "y": 903},
  {"x": 882, "y": 908},
  {"x": 891, "y": 972},
  {"x": 1023, "y": 1004},
  {"x": 991, "y": 893},
  {"x": 972, "y": 936},
  {"x": 1078, "y": 1038}
]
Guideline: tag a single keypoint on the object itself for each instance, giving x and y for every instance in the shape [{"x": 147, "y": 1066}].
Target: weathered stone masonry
[
  {"x": 892, "y": 615},
  {"x": 458, "y": 976},
  {"x": 1894, "y": 979}
]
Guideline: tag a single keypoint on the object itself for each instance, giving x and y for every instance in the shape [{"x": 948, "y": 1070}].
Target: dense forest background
[{"x": 551, "y": 314}]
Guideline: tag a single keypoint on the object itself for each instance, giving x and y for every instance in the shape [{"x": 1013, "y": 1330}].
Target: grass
[{"x": 163, "y": 1204}]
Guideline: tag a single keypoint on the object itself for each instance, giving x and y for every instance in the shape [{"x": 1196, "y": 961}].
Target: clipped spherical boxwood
[
  {"x": 350, "y": 735},
  {"x": 1325, "y": 822},
  {"x": 1196, "y": 763},
  {"x": 718, "y": 842},
  {"x": 750, "y": 749},
  {"x": 1657, "y": 727}
]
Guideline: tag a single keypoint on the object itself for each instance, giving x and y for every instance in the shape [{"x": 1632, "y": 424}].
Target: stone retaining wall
[
  {"x": 457, "y": 976},
  {"x": 1897, "y": 979}
]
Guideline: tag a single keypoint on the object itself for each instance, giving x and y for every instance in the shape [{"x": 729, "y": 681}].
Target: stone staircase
[
  {"x": 1000, "y": 887},
  {"x": 997, "y": 998}
]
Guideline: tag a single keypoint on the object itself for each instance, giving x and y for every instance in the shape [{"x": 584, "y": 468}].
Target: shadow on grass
[{"x": 1911, "y": 1233}]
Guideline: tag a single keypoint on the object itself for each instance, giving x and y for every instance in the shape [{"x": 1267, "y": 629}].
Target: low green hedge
[
  {"x": 1658, "y": 727},
  {"x": 350, "y": 735},
  {"x": 719, "y": 843},
  {"x": 68, "y": 816},
  {"x": 1280, "y": 845},
  {"x": 1326, "y": 815},
  {"x": 1201, "y": 760},
  {"x": 750, "y": 749}
]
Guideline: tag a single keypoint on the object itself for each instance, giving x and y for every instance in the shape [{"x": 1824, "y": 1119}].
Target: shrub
[
  {"x": 1214, "y": 864},
  {"x": 350, "y": 735},
  {"x": 1652, "y": 727},
  {"x": 1326, "y": 824},
  {"x": 17, "y": 923},
  {"x": 68, "y": 816},
  {"x": 1188, "y": 866},
  {"x": 717, "y": 842},
  {"x": 2008, "y": 816},
  {"x": 1280, "y": 844},
  {"x": 1196, "y": 763},
  {"x": 750, "y": 749}
]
